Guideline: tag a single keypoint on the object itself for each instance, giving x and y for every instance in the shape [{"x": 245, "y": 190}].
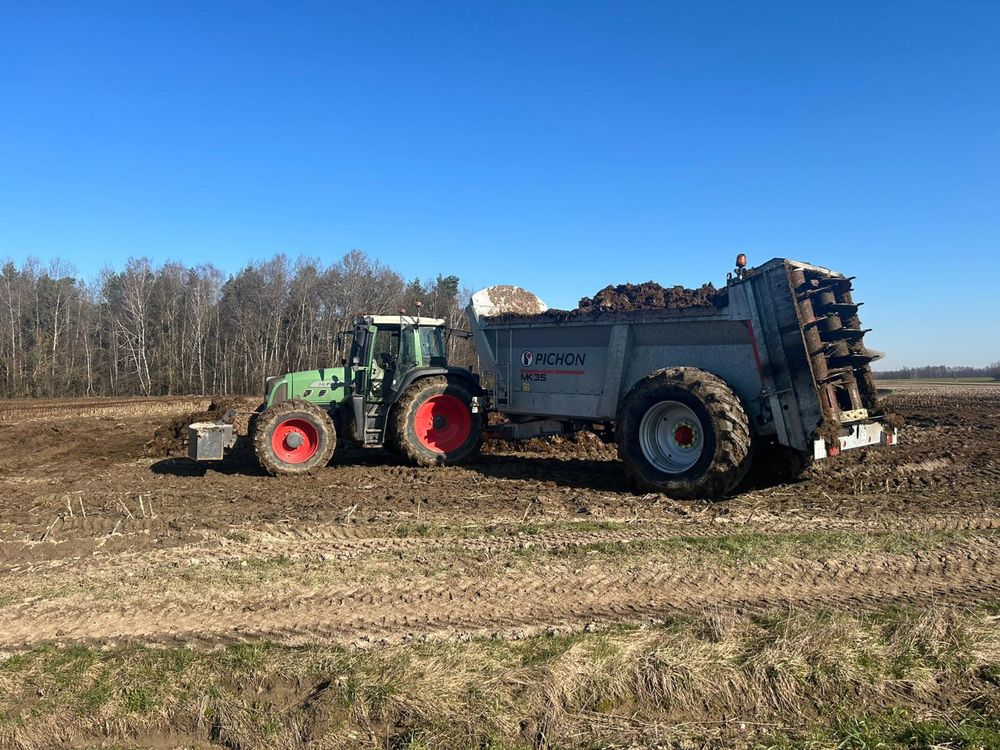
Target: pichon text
[{"x": 555, "y": 359}]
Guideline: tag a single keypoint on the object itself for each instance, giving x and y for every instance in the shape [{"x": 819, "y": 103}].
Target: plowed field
[{"x": 101, "y": 543}]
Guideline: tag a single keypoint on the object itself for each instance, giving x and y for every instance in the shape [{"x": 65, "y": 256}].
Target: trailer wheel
[
  {"x": 294, "y": 437},
  {"x": 433, "y": 423},
  {"x": 683, "y": 432},
  {"x": 777, "y": 464}
]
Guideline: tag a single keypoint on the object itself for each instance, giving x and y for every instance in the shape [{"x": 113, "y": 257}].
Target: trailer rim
[{"x": 671, "y": 437}]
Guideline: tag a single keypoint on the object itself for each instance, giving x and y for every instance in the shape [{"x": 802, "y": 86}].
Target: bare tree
[{"x": 128, "y": 295}]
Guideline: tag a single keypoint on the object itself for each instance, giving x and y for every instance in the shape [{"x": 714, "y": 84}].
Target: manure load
[{"x": 696, "y": 384}]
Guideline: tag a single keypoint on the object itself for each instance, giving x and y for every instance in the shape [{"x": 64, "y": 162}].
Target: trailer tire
[
  {"x": 683, "y": 432},
  {"x": 433, "y": 423},
  {"x": 774, "y": 464},
  {"x": 293, "y": 438}
]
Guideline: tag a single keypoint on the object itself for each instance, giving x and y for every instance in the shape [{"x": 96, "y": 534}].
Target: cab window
[
  {"x": 385, "y": 348},
  {"x": 432, "y": 347},
  {"x": 407, "y": 349}
]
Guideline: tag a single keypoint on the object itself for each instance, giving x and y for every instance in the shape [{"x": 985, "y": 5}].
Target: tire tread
[
  {"x": 731, "y": 460},
  {"x": 262, "y": 444},
  {"x": 398, "y": 441}
]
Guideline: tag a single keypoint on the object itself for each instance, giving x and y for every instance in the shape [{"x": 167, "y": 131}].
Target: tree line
[
  {"x": 940, "y": 371},
  {"x": 173, "y": 329}
]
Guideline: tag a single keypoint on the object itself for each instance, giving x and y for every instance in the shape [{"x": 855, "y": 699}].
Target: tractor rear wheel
[
  {"x": 294, "y": 437},
  {"x": 683, "y": 432},
  {"x": 433, "y": 423}
]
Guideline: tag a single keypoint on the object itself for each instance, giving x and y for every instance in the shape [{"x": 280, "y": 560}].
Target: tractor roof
[{"x": 388, "y": 320}]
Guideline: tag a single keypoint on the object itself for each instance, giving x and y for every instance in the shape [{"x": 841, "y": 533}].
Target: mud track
[{"x": 100, "y": 543}]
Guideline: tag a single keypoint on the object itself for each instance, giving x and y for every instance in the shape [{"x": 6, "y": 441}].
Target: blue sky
[{"x": 556, "y": 145}]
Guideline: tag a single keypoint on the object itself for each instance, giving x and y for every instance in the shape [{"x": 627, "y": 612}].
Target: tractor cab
[{"x": 386, "y": 349}]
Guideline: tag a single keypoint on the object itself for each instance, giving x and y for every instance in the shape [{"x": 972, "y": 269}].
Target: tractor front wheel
[
  {"x": 294, "y": 437},
  {"x": 433, "y": 423}
]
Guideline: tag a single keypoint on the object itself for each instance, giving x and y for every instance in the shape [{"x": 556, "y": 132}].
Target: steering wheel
[{"x": 386, "y": 361}]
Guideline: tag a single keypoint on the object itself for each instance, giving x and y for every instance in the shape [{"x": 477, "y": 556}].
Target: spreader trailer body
[{"x": 693, "y": 394}]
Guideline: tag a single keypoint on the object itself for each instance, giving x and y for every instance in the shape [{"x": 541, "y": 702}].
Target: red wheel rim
[
  {"x": 442, "y": 423},
  {"x": 295, "y": 440},
  {"x": 684, "y": 435}
]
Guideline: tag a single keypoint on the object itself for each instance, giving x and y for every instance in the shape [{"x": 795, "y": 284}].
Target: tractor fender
[
  {"x": 275, "y": 390},
  {"x": 469, "y": 379}
]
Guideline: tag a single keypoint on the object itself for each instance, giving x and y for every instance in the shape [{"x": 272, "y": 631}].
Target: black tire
[
  {"x": 459, "y": 435},
  {"x": 720, "y": 435},
  {"x": 775, "y": 464},
  {"x": 304, "y": 419},
  {"x": 391, "y": 443}
]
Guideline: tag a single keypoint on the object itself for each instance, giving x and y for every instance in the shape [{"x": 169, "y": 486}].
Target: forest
[{"x": 172, "y": 329}]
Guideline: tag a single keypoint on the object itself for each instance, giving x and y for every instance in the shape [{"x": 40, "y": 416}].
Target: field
[{"x": 525, "y": 600}]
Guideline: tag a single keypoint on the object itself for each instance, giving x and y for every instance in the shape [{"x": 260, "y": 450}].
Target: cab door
[{"x": 383, "y": 362}]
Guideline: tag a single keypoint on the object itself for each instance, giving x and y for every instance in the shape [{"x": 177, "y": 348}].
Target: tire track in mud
[
  {"x": 95, "y": 539},
  {"x": 538, "y": 598}
]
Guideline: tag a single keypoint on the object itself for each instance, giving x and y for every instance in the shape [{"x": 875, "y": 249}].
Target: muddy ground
[{"x": 102, "y": 543}]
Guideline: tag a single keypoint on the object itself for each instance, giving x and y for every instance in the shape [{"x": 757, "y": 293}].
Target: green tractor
[{"x": 394, "y": 390}]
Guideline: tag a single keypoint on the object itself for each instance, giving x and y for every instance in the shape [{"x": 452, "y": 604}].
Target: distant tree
[
  {"x": 414, "y": 292},
  {"x": 13, "y": 294},
  {"x": 203, "y": 291},
  {"x": 442, "y": 296},
  {"x": 128, "y": 294}
]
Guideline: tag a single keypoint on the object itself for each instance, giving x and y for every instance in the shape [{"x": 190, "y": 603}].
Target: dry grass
[
  {"x": 718, "y": 680},
  {"x": 25, "y": 410}
]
